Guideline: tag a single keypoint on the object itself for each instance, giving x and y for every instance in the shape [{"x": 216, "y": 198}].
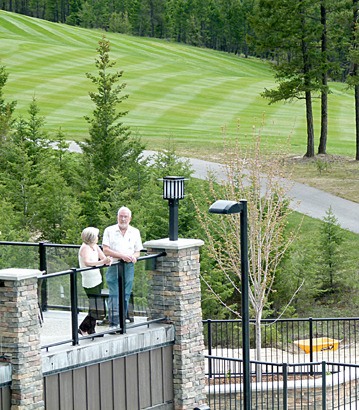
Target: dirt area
[
  {"x": 331, "y": 173},
  {"x": 334, "y": 174}
]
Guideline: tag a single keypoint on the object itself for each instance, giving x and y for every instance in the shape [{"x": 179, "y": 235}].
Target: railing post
[
  {"x": 209, "y": 344},
  {"x": 43, "y": 267},
  {"x": 121, "y": 296},
  {"x": 324, "y": 385},
  {"x": 74, "y": 307},
  {"x": 311, "y": 343},
  {"x": 285, "y": 386}
]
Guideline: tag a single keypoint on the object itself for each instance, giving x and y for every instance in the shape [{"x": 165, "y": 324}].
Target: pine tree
[
  {"x": 290, "y": 32},
  {"x": 110, "y": 150},
  {"x": 6, "y": 108},
  {"x": 330, "y": 258}
]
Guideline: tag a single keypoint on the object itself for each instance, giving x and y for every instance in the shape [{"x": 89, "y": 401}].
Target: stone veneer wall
[
  {"x": 175, "y": 293},
  {"x": 20, "y": 336}
]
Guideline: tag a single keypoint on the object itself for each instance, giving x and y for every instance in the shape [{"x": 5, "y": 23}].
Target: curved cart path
[{"x": 305, "y": 199}]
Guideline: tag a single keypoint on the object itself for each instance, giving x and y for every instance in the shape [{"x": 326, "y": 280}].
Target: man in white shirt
[{"x": 123, "y": 242}]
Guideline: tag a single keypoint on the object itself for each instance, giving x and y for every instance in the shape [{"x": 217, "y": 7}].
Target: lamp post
[
  {"x": 173, "y": 191},
  {"x": 233, "y": 207}
]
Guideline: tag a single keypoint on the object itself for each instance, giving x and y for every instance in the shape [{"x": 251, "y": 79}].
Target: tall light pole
[{"x": 233, "y": 207}]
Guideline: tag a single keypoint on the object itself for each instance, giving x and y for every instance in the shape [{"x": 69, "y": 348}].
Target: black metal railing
[
  {"x": 59, "y": 285},
  {"x": 286, "y": 340},
  {"x": 45, "y": 256},
  {"x": 283, "y": 385},
  {"x": 75, "y": 309}
]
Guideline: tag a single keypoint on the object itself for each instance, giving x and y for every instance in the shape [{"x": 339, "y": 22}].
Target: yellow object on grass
[{"x": 319, "y": 344}]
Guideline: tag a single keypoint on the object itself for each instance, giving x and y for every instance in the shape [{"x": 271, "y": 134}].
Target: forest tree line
[{"x": 308, "y": 42}]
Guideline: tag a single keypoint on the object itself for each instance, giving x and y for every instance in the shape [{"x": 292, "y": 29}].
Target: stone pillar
[
  {"x": 20, "y": 336},
  {"x": 175, "y": 293}
]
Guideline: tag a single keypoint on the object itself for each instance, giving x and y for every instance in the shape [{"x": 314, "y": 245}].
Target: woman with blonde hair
[{"x": 90, "y": 254}]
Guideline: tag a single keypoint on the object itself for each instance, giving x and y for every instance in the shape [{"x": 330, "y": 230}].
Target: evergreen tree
[
  {"x": 73, "y": 18},
  {"x": 33, "y": 180},
  {"x": 111, "y": 149},
  {"x": 331, "y": 239},
  {"x": 290, "y": 32},
  {"x": 6, "y": 108},
  {"x": 334, "y": 36},
  {"x": 57, "y": 216},
  {"x": 18, "y": 173}
]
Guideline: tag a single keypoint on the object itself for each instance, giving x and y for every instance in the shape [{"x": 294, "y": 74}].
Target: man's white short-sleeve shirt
[{"x": 129, "y": 243}]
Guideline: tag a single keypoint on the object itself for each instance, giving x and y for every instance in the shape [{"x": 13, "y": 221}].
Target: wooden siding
[{"x": 135, "y": 382}]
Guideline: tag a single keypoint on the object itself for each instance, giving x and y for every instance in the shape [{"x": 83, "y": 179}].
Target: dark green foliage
[
  {"x": 110, "y": 154},
  {"x": 34, "y": 182},
  {"x": 6, "y": 108},
  {"x": 322, "y": 249},
  {"x": 218, "y": 24},
  {"x": 290, "y": 32},
  {"x": 330, "y": 258}
]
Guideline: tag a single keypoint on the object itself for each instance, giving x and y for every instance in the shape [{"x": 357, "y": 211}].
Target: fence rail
[
  {"x": 60, "y": 289},
  {"x": 288, "y": 340},
  {"x": 283, "y": 385},
  {"x": 307, "y": 363}
]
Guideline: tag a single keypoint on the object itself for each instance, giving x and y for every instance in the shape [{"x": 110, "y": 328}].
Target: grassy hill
[{"x": 189, "y": 95}]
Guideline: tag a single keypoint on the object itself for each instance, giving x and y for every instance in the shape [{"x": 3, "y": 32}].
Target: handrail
[
  {"x": 49, "y": 244},
  {"x": 74, "y": 304}
]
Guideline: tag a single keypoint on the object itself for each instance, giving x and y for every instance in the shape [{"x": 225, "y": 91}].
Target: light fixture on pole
[
  {"x": 233, "y": 207},
  {"x": 173, "y": 191}
]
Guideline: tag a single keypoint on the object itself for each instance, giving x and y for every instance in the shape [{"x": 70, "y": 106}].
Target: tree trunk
[
  {"x": 356, "y": 89},
  {"x": 322, "y": 149},
  {"x": 258, "y": 346},
  {"x": 310, "y": 126},
  {"x": 307, "y": 88},
  {"x": 324, "y": 95}
]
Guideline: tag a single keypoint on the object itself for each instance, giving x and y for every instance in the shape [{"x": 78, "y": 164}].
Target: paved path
[{"x": 306, "y": 200}]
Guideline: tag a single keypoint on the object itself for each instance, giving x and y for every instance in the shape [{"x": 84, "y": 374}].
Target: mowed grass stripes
[{"x": 189, "y": 95}]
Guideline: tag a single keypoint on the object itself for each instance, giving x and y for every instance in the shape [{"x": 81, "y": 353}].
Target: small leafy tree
[{"x": 258, "y": 179}]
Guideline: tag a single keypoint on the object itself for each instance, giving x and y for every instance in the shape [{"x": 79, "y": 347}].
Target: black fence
[
  {"x": 284, "y": 386},
  {"x": 287, "y": 340},
  {"x": 308, "y": 363}
]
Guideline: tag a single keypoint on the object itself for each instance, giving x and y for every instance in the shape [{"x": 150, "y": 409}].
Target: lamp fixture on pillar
[
  {"x": 173, "y": 191},
  {"x": 233, "y": 207}
]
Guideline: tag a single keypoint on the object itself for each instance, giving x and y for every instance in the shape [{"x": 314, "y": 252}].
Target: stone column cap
[
  {"x": 176, "y": 245},
  {"x": 19, "y": 273}
]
